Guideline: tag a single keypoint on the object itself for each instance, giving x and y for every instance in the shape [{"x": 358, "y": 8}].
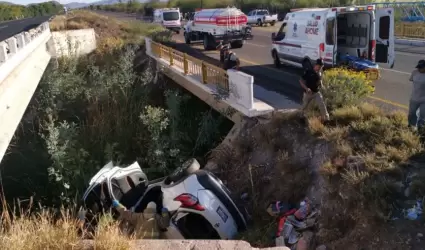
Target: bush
[{"x": 342, "y": 87}]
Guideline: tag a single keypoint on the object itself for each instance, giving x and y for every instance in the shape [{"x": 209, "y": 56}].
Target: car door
[
  {"x": 330, "y": 39},
  {"x": 384, "y": 35}
]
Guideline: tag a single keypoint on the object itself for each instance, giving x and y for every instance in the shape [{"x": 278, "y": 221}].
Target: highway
[
  {"x": 392, "y": 90},
  {"x": 11, "y": 28}
]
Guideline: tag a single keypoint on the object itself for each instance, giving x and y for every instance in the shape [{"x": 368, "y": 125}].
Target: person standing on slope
[
  {"x": 417, "y": 98},
  {"x": 311, "y": 82}
]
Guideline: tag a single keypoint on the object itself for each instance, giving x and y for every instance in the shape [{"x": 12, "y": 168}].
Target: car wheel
[
  {"x": 188, "y": 167},
  {"x": 178, "y": 32},
  {"x": 272, "y": 23}
]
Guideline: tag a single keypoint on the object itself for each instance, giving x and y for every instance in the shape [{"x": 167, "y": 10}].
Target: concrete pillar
[
  {"x": 13, "y": 45},
  {"x": 21, "y": 41},
  {"x": 27, "y": 37},
  {"x": 3, "y": 52}
]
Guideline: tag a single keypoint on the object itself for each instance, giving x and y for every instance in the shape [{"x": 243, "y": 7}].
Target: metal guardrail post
[
  {"x": 204, "y": 72},
  {"x": 160, "y": 50},
  {"x": 185, "y": 64},
  {"x": 170, "y": 51}
]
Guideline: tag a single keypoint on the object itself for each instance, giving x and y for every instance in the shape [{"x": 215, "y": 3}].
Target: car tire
[
  {"x": 272, "y": 23},
  {"x": 188, "y": 167},
  {"x": 178, "y": 32}
]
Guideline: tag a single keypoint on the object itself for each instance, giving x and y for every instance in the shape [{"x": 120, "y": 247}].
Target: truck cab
[{"x": 332, "y": 33}]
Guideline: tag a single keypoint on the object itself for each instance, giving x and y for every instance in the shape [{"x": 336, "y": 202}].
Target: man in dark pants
[
  {"x": 231, "y": 61},
  {"x": 223, "y": 48},
  {"x": 311, "y": 82}
]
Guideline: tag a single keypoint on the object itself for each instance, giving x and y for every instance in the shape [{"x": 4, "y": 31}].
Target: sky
[{"x": 25, "y": 2}]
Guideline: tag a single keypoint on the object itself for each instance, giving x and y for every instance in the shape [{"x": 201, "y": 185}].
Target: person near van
[
  {"x": 145, "y": 224},
  {"x": 311, "y": 82},
  {"x": 417, "y": 98},
  {"x": 231, "y": 61}
]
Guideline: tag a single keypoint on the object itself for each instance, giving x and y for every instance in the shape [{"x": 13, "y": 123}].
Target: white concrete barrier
[
  {"x": 15, "y": 49},
  {"x": 241, "y": 87},
  {"x": 72, "y": 42}
]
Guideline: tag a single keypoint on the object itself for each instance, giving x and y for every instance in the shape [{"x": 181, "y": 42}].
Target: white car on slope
[{"x": 199, "y": 205}]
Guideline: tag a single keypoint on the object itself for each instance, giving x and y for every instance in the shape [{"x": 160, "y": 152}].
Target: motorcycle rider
[{"x": 231, "y": 61}]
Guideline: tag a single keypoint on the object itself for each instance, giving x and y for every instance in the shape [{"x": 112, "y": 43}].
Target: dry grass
[
  {"x": 44, "y": 230},
  {"x": 111, "y": 33},
  {"x": 282, "y": 160}
]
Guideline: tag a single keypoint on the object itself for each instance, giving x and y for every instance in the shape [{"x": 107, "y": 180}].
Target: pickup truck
[{"x": 261, "y": 17}]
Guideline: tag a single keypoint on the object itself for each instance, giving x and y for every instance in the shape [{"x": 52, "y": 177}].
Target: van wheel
[
  {"x": 276, "y": 59},
  {"x": 237, "y": 44},
  {"x": 259, "y": 22},
  {"x": 188, "y": 167},
  {"x": 178, "y": 32}
]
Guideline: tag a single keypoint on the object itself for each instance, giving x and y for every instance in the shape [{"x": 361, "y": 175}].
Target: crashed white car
[{"x": 199, "y": 205}]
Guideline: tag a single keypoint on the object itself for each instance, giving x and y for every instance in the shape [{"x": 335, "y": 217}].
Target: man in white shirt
[{"x": 417, "y": 98}]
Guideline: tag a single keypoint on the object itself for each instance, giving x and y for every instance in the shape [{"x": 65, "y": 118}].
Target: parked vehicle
[
  {"x": 213, "y": 26},
  {"x": 199, "y": 205},
  {"x": 261, "y": 17},
  {"x": 328, "y": 33},
  {"x": 170, "y": 18}
]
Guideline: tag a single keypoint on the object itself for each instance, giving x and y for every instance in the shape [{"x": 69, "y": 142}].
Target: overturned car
[{"x": 198, "y": 204}]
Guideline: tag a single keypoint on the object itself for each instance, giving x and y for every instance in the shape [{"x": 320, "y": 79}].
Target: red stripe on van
[{"x": 288, "y": 44}]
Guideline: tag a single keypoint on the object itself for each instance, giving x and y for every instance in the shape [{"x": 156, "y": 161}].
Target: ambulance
[
  {"x": 331, "y": 33},
  {"x": 214, "y": 26},
  {"x": 170, "y": 18}
]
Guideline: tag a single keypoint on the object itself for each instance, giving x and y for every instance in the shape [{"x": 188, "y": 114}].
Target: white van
[
  {"x": 327, "y": 33},
  {"x": 170, "y": 18}
]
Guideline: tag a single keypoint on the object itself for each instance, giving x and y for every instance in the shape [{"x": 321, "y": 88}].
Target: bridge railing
[
  {"x": 11, "y": 46},
  {"x": 208, "y": 73},
  {"x": 411, "y": 30}
]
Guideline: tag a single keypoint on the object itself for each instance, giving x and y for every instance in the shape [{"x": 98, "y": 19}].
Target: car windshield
[
  {"x": 171, "y": 16},
  {"x": 262, "y": 12}
]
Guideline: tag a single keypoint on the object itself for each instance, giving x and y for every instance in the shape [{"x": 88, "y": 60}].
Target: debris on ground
[{"x": 293, "y": 223}]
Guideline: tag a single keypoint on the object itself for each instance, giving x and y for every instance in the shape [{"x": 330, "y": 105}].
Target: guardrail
[
  {"x": 208, "y": 73},
  {"x": 411, "y": 30},
  {"x": 11, "y": 46}
]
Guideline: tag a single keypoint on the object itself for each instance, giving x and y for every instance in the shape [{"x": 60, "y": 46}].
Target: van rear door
[
  {"x": 384, "y": 34},
  {"x": 329, "y": 57}
]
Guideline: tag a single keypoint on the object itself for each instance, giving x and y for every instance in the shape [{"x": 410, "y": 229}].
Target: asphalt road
[
  {"x": 11, "y": 28},
  {"x": 392, "y": 91}
]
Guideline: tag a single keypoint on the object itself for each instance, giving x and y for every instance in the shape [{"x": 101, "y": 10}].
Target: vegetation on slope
[
  {"x": 288, "y": 159},
  {"x": 110, "y": 105},
  {"x": 12, "y": 12}
]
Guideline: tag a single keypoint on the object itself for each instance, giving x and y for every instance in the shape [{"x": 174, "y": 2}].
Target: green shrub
[{"x": 343, "y": 87}]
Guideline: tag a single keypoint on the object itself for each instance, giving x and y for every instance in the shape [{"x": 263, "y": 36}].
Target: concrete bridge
[{"x": 24, "y": 58}]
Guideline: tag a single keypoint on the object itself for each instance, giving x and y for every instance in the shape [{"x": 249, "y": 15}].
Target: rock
[
  {"x": 321, "y": 247},
  {"x": 419, "y": 235},
  {"x": 407, "y": 192},
  {"x": 304, "y": 242}
]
